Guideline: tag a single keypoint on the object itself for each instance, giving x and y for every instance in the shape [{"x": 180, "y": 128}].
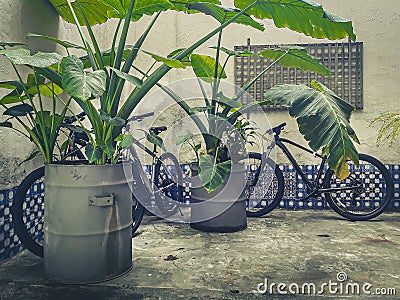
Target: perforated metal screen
[{"x": 344, "y": 60}]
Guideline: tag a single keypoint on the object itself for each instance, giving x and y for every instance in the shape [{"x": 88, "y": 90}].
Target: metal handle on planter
[{"x": 102, "y": 200}]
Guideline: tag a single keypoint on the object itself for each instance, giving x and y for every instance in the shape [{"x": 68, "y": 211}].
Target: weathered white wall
[
  {"x": 17, "y": 18},
  {"x": 376, "y": 24}
]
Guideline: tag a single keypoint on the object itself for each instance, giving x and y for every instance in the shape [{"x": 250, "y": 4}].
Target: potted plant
[
  {"x": 218, "y": 194},
  {"x": 95, "y": 80}
]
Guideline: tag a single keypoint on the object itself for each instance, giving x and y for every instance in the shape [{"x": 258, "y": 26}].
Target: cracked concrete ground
[{"x": 173, "y": 261}]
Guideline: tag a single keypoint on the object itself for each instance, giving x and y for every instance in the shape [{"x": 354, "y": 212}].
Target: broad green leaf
[
  {"x": 223, "y": 13},
  {"x": 128, "y": 77},
  {"x": 65, "y": 44},
  {"x": 184, "y": 138},
  {"x": 225, "y": 101},
  {"x": 79, "y": 83},
  {"x": 99, "y": 11},
  {"x": 15, "y": 95},
  {"x": 4, "y": 44},
  {"x": 124, "y": 140},
  {"x": 13, "y": 99},
  {"x": 107, "y": 147},
  {"x": 185, "y": 60},
  {"x": 47, "y": 90},
  {"x": 106, "y": 56},
  {"x": 93, "y": 153},
  {"x": 212, "y": 174},
  {"x": 12, "y": 85},
  {"x": 95, "y": 11},
  {"x": 22, "y": 56},
  {"x": 173, "y": 63},
  {"x": 45, "y": 118},
  {"x": 33, "y": 80},
  {"x": 323, "y": 119},
  {"x": 142, "y": 7},
  {"x": 237, "y": 53},
  {"x": 18, "y": 110},
  {"x": 296, "y": 57},
  {"x": 204, "y": 67},
  {"x": 183, "y": 5},
  {"x": 115, "y": 121},
  {"x": 6, "y": 124},
  {"x": 302, "y": 16},
  {"x": 155, "y": 139},
  {"x": 64, "y": 145},
  {"x": 30, "y": 157}
]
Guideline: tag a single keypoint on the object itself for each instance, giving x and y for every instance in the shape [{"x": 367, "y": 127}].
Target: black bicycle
[
  {"x": 363, "y": 195},
  {"x": 28, "y": 205}
]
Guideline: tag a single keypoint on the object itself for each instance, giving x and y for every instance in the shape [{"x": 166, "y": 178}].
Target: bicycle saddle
[{"x": 158, "y": 130}]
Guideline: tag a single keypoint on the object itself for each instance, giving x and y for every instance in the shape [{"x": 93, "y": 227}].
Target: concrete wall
[
  {"x": 376, "y": 24},
  {"x": 17, "y": 18}
]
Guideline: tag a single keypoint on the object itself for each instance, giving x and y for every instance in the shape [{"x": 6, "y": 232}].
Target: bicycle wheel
[
  {"x": 265, "y": 188},
  {"x": 137, "y": 214},
  {"x": 169, "y": 182},
  {"x": 28, "y": 212},
  {"x": 366, "y": 192}
]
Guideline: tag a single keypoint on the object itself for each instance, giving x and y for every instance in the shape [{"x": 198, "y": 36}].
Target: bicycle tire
[
  {"x": 137, "y": 214},
  {"x": 168, "y": 179},
  {"x": 264, "y": 193},
  {"x": 26, "y": 196},
  {"x": 33, "y": 240},
  {"x": 374, "y": 182}
]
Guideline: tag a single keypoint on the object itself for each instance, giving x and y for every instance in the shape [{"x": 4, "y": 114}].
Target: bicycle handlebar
[
  {"x": 73, "y": 119},
  {"x": 277, "y": 129}
]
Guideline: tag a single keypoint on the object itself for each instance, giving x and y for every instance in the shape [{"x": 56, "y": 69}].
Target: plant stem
[
  {"x": 135, "y": 97},
  {"x": 118, "y": 59},
  {"x": 129, "y": 62},
  {"x": 85, "y": 43},
  {"x": 112, "y": 57},
  {"x": 214, "y": 85},
  {"x": 251, "y": 82}
]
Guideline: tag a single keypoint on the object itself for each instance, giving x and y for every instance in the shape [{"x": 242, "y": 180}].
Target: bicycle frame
[
  {"x": 146, "y": 187},
  {"x": 314, "y": 187}
]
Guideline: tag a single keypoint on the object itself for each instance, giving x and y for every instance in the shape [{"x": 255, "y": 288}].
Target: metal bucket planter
[
  {"x": 88, "y": 218},
  {"x": 224, "y": 209}
]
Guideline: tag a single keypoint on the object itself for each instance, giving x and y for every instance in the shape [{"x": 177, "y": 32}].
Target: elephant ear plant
[
  {"x": 33, "y": 103},
  {"x": 102, "y": 74},
  {"x": 322, "y": 116}
]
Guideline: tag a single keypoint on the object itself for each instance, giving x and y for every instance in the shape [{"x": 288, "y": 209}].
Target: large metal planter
[
  {"x": 88, "y": 218},
  {"x": 224, "y": 209}
]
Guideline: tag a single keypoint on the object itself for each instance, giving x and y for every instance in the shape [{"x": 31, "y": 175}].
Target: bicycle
[
  {"x": 363, "y": 195},
  {"x": 162, "y": 191},
  {"x": 29, "y": 223}
]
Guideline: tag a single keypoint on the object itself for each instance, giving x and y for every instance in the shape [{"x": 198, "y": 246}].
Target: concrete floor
[{"x": 173, "y": 261}]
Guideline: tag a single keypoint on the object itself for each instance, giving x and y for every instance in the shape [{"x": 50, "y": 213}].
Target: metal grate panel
[{"x": 344, "y": 60}]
